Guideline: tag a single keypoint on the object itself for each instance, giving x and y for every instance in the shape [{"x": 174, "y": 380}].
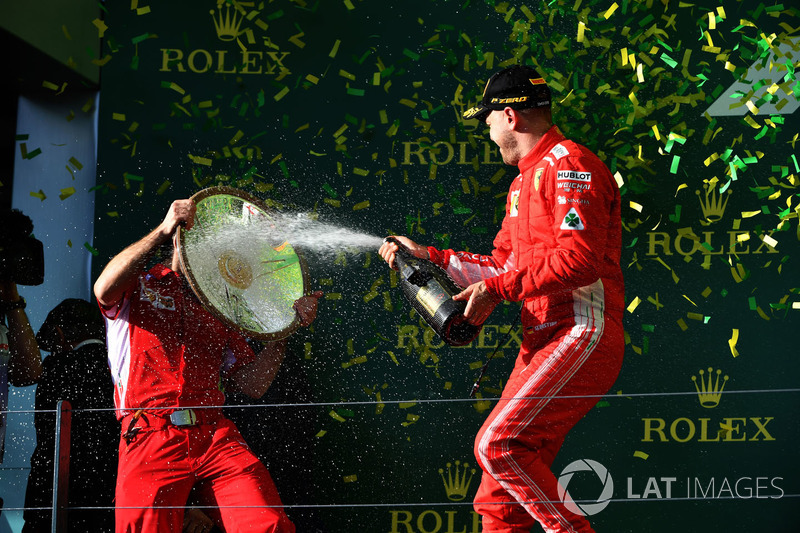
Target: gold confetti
[
  {"x": 733, "y": 341},
  {"x": 283, "y": 92},
  {"x": 410, "y": 419},
  {"x": 336, "y": 416},
  {"x": 335, "y": 48},
  {"x": 66, "y": 193},
  {"x": 101, "y": 27},
  {"x": 610, "y": 11}
]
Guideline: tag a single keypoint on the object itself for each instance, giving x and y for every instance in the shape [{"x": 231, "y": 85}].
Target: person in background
[
  {"x": 77, "y": 371},
  {"x": 171, "y": 361},
  {"x": 20, "y": 360},
  {"x": 21, "y": 263},
  {"x": 558, "y": 252}
]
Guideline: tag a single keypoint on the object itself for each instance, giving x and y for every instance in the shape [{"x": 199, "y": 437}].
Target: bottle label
[{"x": 432, "y": 296}]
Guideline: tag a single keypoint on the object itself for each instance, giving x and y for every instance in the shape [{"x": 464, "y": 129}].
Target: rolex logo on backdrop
[
  {"x": 476, "y": 151},
  {"x": 227, "y": 20},
  {"x": 456, "y": 479},
  {"x": 709, "y": 425},
  {"x": 712, "y": 239},
  {"x": 719, "y": 427},
  {"x": 709, "y": 391},
  {"x": 236, "y": 41},
  {"x": 713, "y": 204},
  {"x": 442, "y": 153}
]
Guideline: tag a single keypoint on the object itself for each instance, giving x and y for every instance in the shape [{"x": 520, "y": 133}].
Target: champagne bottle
[{"x": 430, "y": 291}]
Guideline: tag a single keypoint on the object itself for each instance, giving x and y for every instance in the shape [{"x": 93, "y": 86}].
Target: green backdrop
[{"x": 350, "y": 110}]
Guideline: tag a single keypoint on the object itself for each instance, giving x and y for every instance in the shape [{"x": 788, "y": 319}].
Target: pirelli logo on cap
[
  {"x": 537, "y": 81},
  {"x": 574, "y": 175}
]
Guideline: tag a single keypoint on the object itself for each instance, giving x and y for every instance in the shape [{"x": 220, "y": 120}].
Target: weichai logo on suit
[{"x": 242, "y": 45}]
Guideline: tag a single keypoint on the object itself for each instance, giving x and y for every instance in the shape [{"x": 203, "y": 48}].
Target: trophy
[{"x": 239, "y": 267}]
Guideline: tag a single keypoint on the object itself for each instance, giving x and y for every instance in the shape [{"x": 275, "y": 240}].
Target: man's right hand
[
  {"x": 388, "y": 250},
  {"x": 121, "y": 273}
]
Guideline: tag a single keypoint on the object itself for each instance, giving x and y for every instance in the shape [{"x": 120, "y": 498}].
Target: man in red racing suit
[
  {"x": 558, "y": 252},
  {"x": 168, "y": 357}
]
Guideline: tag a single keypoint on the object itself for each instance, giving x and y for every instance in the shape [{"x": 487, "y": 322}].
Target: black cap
[
  {"x": 517, "y": 87},
  {"x": 78, "y": 319}
]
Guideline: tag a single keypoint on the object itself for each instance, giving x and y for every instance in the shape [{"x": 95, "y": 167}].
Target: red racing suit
[
  {"x": 166, "y": 353},
  {"x": 558, "y": 251}
]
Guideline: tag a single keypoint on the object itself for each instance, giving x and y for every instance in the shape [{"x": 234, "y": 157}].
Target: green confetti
[
  {"x": 410, "y": 54},
  {"x": 91, "y": 249},
  {"x": 140, "y": 38},
  {"x": 668, "y": 60},
  {"x": 676, "y": 159}
]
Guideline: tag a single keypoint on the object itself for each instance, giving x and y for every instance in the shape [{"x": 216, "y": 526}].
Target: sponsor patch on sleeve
[
  {"x": 573, "y": 186},
  {"x": 574, "y": 175},
  {"x": 537, "y": 178},
  {"x": 513, "y": 208},
  {"x": 559, "y": 151},
  {"x": 572, "y": 220},
  {"x": 564, "y": 200}
]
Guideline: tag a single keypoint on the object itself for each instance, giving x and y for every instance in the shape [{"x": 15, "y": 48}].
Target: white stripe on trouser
[{"x": 574, "y": 350}]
